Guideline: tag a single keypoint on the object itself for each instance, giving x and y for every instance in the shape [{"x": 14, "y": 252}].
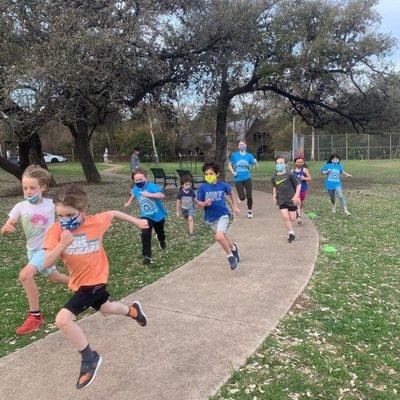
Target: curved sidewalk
[{"x": 204, "y": 321}]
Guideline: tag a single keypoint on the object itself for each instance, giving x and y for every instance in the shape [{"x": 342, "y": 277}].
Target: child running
[
  {"x": 77, "y": 239},
  {"x": 185, "y": 203},
  {"x": 333, "y": 169},
  {"x": 149, "y": 196},
  {"x": 211, "y": 197},
  {"x": 286, "y": 193},
  {"x": 37, "y": 215},
  {"x": 302, "y": 173}
]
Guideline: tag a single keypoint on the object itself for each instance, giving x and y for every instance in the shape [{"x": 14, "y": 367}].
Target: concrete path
[{"x": 204, "y": 321}]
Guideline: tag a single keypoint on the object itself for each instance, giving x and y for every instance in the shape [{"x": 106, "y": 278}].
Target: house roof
[{"x": 241, "y": 127}]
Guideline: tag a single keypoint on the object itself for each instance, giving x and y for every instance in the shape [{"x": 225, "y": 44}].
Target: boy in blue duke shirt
[
  {"x": 211, "y": 197},
  {"x": 149, "y": 196}
]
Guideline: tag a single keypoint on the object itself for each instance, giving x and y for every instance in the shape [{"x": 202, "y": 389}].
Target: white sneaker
[
  {"x": 334, "y": 208},
  {"x": 346, "y": 211},
  {"x": 250, "y": 215},
  {"x": 299, "y": 220}
]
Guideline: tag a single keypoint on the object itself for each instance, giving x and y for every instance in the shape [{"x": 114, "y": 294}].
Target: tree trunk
[
  {"x": 82, "y": 147},
  {"x": 153, "y": 141},
  {"x": 10, "y": 167}
]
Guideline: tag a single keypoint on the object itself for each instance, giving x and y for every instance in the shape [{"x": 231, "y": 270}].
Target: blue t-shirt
[
  {"x": 149, "y": 208},
  {"x": 217, "y": 194},
  {"x": 241, "y": 164},
  {"x": 298, "y": 174},
  {"x": 332, "y": 180}
]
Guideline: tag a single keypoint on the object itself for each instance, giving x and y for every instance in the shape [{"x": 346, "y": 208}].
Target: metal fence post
[
  {"x": 332, "y": 142},
  {"x": 318, "y": 147},
  {"x": 347, "y": 148}
]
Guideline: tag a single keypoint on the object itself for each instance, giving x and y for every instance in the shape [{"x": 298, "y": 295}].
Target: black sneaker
[
  {"x": 162, "y": 244},
  {"x": 235, "y": 252},
  {"x": 140, "y": 318},
  {"x": 147, "y": 260},
  {"x": 291, "y": 238},
  {"x": 88, "y": 371},
  {"x": 233, "y": 262}
]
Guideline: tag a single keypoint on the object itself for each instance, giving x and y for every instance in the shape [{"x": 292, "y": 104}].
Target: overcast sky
[{"x": 390, "y": 12}]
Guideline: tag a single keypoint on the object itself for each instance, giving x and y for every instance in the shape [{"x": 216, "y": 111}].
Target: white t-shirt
[{"x": 36, "y": 219}]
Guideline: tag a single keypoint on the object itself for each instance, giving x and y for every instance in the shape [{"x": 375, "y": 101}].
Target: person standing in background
[{"x": 135, "y": 163}]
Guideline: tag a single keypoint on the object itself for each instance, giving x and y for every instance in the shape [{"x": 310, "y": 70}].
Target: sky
[{"x": 390, "y": 13}]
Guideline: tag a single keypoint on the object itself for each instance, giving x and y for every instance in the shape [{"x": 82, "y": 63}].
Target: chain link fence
[{"x": 354, "y": 146}]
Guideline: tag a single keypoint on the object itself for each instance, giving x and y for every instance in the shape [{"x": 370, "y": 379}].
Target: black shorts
[
  {"x": 87, "y": 296},
  {"x": 289, "y": 207}
]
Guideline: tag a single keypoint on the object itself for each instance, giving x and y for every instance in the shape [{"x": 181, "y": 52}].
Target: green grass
[
  {"x": 123, "y": 247},
  {"x": 341, "y": 339}
]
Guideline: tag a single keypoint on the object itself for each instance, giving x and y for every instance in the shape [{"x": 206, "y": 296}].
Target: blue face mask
[
  {"x": 33, "y": 199},
  {"x": 141, "y": 184},
  {"x": 280, "y": 167},
  {"x": 70, "y": 223},
  {"x": 242, "y": 148}
]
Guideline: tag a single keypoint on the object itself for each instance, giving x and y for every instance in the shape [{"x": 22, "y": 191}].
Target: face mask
[
  {"x": 186, "y": 190},
  {"x": 242, "y": 147},
  {"x": 33, "y": 199},
  {"x": 141, "y": 184},
  {"x": 70, "y": 223},
  {"x": 280, "y": 167},
  {"x": 335, "y": 161},
  {"x": 210, "y": 179}
]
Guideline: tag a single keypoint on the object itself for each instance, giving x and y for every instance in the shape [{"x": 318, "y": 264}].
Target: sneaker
[
  {"x": 31, "y": 324},
  {"x": 299, "y": 220},
  {"x": 346, "y": 211},
  {"x": 88, "y": 371},
  {"x": 333, "y": 208},
  {"x": 291, "y": 238},
  {"x": 141, "y": 317},
  {"x": 233, "y": 262},
  {"x": 191, "y": 236},
  {"x": 250, "y": 215},
  {"x": 147, "y": 260},
  {"x": 162, "y": 244},
  {"x": 235, "y": 252}
]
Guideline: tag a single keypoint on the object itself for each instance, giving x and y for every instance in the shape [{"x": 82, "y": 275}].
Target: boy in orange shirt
[{"x": 77, "y": 239}]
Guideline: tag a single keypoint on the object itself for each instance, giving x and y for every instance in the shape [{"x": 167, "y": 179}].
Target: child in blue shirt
[
  {"x": 239, "y": 165},
  {"x": 149, "y": 196},
  {"x": 211, "y": 197},
  {"x": 333, "y": 169}
]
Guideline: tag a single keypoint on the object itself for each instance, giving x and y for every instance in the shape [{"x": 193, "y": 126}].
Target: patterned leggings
[{"x": 339, "y": 193}]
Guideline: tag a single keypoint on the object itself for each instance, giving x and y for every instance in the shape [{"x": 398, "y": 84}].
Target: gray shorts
[
  {"x": 189, "y": 212},
  {"x": 221, "y": 224},
  {"x": 36, "y": 258}
]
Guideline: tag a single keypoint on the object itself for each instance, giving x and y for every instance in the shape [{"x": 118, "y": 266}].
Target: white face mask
[{"x": 335, "y": 160}]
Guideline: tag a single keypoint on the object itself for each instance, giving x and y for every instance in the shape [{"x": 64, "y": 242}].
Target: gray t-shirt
[
  {"x": 135, "y": 163},
  {"x": 186, "y": 198},
  {"x": 285, "y": 185}
]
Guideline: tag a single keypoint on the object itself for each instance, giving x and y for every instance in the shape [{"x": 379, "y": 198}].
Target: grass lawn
[
  {"x": 341, "y": 339},
  {"x": 122, "y": 243}
]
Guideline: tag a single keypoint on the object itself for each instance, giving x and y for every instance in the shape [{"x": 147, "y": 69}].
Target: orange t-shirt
[{"x": 85, "y": 258}]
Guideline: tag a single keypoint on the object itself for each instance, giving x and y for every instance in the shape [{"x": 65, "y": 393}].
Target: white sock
[
  {"x": 291, "y": 232},
  {"x": 230, "y": 255}
]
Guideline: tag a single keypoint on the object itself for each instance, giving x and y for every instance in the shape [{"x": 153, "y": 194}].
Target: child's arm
[
  {"x": 9, "y": 226},
  {"x": 347, "y": 175},
  {"x": 139, "y": 223},
  {"x": 274, "y": 193},
  {"x": 296, "y": 197},
  {"x": 232, "y": 201},
  {"x": 178, "y": 207},
  {"x": 325, "y": 170},
  {"x": 307, "y": 176},
  {"x": 204, "y": 203},
  {"x": 234, "y": 173},
  {"x": 158, "y": 195},
  {"x": 130, "y": 200},
  {"x": 51, "y": 257}
]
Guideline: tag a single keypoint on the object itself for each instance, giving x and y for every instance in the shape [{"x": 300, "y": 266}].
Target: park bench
[
  {"x": 159, "y": 173},
  {"x": 185, "y": 172}
]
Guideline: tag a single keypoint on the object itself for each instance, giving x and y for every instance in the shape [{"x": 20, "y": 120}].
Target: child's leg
[
  {"x": 240, "y": 190},
  {"x": 27, "y": 279},
  {"x": 146, "y": 239},
  {"x": 191, "y": 224},
  {"x": 65, "y": 320},
  {"x": 57, "y": 277},
  {"x": 222, "y": 239},
  {"x": 332, "y": 195},
  {"x": 114, "y": 307},
  {"x": 159, "y": 229},
  {"x": 293, "y": 215},
  {"x": 249, "y": 193},
  {"x": 287, "y": 219},
  {"x": 340, "y": 196}
]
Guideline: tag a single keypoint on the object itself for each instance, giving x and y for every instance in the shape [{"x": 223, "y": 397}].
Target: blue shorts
[
  {"x": 189, "y": 212},
  {"x": 36, "y": 258}
]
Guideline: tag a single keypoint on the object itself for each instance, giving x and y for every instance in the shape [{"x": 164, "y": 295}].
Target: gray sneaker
[
  {"x": 233, "y": 262},
  {"x": 88, "y": 371},
  {"x": 235, "y": 252}
]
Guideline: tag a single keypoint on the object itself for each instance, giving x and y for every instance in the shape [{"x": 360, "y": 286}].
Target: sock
[
  {"x": 87, "y": 354},
  {"x": 230, "y": 255},
  {"x": 132, "y": 312},
  {"x": 291, "y": 232},
  {"x": 36, "y": 313}
]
